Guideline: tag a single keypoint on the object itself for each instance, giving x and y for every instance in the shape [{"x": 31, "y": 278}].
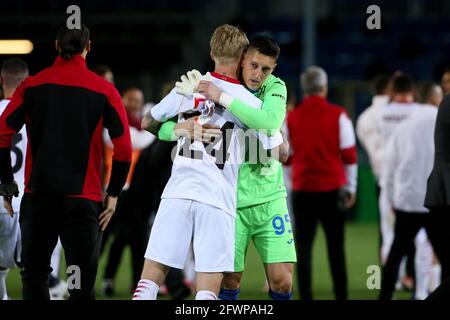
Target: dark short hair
[
  {"x": 403, "y": 83},
  {"x": 14, "y": 71},
  {"x": 266, "y": 46},
  {"x": 425, "y": 91},
  {"x": 132, "y": 88},
  {"x": 101, "y": 69},
  {"x": 72, "y": 41},
  {"x": 380, "y": 83},
  {"x": 446, "y": 70}
]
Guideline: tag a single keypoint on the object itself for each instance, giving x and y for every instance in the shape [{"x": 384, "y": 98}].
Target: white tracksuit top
[
  {"x": 409, "y": 160},
  {"x": 368, "y": 135}
]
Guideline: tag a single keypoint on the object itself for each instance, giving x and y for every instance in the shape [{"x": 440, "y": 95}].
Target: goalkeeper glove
[{"x": 189, "y": 83}]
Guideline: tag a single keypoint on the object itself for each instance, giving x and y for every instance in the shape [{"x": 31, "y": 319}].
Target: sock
[
  {"x": 55, "y": 259},
  {"x": 146, "y": 290},
  {"x": 435, "y": 276},
  {"x": 226, "y": 294},
  {"x": 280, "y": 296},
  {"x": 205, "y": 295},
  {"x": 3, "y": 292}
]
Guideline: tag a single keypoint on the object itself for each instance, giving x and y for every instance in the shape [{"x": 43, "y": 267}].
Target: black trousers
[
  {"x": 75, "y": 220},
  {"x": 440, "y": 227},
  {"x": 407, "y": 225},
  {"x": 132, "y": 229},
  {"x": 129, "y": 229},
  {"x": 310, "y": 208},
  {"x": 127, "y": 235}
]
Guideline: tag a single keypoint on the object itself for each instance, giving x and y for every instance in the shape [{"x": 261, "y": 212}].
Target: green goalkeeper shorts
[{"x": 269, "y": 226}]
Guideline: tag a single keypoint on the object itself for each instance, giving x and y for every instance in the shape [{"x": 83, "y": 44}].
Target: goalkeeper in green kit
[{"x": 262, "y": 214}]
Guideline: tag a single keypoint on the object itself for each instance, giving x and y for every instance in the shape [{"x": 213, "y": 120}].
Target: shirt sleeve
[
  {"x": 141, "y": 139},
  {"x": 167, "y": 131},
  {"x": 115, "y": 121},
  {"x": 368, "y": 135},
  {"x": 171, "y": 105},
  {"x": 389, "y": 168},
  {"x": 272, "y": 112},
  {"x": 11, "y": 121},
  {"x": 348, "y": 151}
]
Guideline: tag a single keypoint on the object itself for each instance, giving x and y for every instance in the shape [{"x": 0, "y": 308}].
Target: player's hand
[
  {"x": 189, "y": 83},
  {"x": 209, "y": 90},
  {"x": 191, "y": 129},
  {"x": 109, "y": 204},
  {"x": 7, "y": 204},
  {"x": 349, "y": 200},
  {"x": 8, "y": 190},
  {"x": 346, "y": 199},
  {"x": 210, "y": 133}
]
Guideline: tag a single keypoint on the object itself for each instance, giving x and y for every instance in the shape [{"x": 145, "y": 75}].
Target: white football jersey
[
  {"x": 18, "y": 152},
  {"x": 390, "y": 117},
  {"x": 410, "y": 159},
  {"x": 208, "y": 173}
]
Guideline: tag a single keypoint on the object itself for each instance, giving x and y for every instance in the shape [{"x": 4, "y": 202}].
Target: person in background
[
  {"x": 104, "y": 71},
  {"x": 12, "y": 73},
  {"x": 63, "y": 192},
  {"x": 369, "y": 136},
  {"x": 437, "y": 200},
  {"x": 366, "y": 124},
  {"x": 324, "y": 175},
  {"x": 127, "y": 216},
  {"x": 410, "y": 150},
  {"x": 403, "y": 103}
]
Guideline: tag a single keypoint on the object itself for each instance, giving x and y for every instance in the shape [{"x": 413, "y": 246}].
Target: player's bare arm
[
  {"x": 191, "y": 129},
  {"x": 109, "y": 204},
  {"x": 150, "y": 124},
  {"x": 281, "y": 152}
]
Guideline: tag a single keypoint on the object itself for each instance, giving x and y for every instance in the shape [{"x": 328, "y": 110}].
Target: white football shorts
[
  {"x": 10, "y": 240},
  {"x": 180, "y": 221}
]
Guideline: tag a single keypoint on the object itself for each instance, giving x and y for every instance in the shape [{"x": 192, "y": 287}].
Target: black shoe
[
  {"x": 108, "y": 288},
  {"x": 181, "y": 293}
]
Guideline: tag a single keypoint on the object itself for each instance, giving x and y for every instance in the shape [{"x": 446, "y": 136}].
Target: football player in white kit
[
  {"x": 389, "y": 117},
  {"x": 407, "y": 191},
  {"x": 199, "y": 201},
  {"x": 13, "y": 72}
]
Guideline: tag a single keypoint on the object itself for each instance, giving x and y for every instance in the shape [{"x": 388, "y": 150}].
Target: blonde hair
[{"x": 227, "y": 44}]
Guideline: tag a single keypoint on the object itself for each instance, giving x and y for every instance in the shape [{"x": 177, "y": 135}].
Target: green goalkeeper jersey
[{"x": 261, "y": 181}]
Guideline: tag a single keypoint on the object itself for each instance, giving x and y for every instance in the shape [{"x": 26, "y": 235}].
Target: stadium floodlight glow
[{"x": 16, "y": 46}]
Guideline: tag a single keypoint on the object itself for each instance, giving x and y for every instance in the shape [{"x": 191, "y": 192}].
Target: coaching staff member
[
  {"x": 324, "y": 172},
  {"x": 64, "y": 108},
  {"x": 437, "y": 198}
]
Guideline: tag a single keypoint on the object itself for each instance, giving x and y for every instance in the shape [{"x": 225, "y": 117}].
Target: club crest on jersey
[{"x": 205, "y": 107}]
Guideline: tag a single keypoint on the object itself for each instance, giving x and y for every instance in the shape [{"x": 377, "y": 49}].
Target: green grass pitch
[{"x": 361, "y": 252}]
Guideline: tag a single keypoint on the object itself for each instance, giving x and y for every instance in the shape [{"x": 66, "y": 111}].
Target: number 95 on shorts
[{"x": 269, "y": 226}]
